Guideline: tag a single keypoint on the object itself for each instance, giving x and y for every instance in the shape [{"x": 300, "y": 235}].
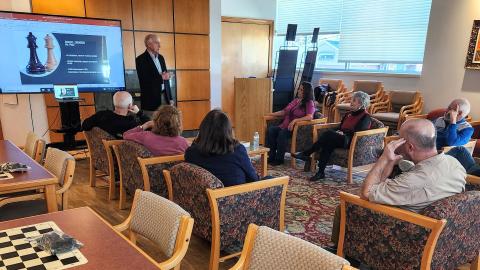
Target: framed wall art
[{"x": 473, "y": 53}]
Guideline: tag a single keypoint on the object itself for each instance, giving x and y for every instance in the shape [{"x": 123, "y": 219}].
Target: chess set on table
[{"x": 18, "y": 253}]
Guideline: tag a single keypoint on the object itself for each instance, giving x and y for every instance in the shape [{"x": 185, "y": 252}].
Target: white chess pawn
[{"x": 51, "y": 61}]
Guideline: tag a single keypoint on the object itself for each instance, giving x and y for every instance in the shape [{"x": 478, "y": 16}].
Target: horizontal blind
[
  {"x": 308, "y": 14},
  {"x": 383, "y": 31}
]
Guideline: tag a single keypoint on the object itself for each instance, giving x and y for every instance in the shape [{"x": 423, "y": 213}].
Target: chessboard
[{"x": 17, "y": 253}]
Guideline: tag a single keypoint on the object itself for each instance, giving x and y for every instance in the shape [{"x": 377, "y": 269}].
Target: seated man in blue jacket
[{"x": 452, "y": 128}]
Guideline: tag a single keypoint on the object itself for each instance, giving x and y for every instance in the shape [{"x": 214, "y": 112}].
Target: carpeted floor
[{"x": 310, "y": 205}]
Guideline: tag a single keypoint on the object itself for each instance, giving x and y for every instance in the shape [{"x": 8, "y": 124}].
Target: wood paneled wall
[{"x": 183, "y": 28}]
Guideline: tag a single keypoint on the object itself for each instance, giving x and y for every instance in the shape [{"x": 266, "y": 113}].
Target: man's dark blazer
[{"x": 151, "y": 81}]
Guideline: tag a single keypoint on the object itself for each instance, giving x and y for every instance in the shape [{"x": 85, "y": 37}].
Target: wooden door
[{"x": 246, "y": 52}]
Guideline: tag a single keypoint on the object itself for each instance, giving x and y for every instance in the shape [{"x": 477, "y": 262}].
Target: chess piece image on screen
[
  {"x": 34, "y": 66},
  {"x": 51, "y": 63}
]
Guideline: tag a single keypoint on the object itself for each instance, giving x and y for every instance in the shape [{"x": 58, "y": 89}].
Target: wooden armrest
[
  {"x": 271, "y": 117},
  {"x": 472, "y": 179},
  {"x": 161, "y": 159},
  {"x": 370, "y": 132},
  {"x": 311, "y": 122},
  {"x": 388, "y": 139},
  {"x": 475, "y": 123},
  {"x": 422, "y": 116}
]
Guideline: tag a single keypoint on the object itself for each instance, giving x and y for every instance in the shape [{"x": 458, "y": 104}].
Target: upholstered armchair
[
  {"x": 127, "y": 154},
  {"x": 100, "y": 164},
  {"x": 215, "y": 207},
  {"x": 373, "y": 88},
  {"x": 338, "y": 87},
  {"x": 363, "y": 148},
  {"x": 443, "y": 236},
  {"x": 34, "y": 147},
  {"x": 268, "y": 249},
  {"x": 396, "y": 106},
  {"x": 301, "y": 134}
]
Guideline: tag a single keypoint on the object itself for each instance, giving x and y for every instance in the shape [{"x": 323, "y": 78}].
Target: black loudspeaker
[
  {"x": 291, "y": 32},
  {"x": 315, "y": 34}
]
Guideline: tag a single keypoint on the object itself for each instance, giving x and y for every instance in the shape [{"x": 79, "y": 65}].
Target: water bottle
[{"x": 256, "y": 140}]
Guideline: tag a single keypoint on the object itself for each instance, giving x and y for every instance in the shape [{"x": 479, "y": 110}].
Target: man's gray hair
[
  {"x": 421, "y": 133},
  {"x": 463, "y": 106},
  {"x": 363, "y": 97},
  {"x": 122, "y": 99},
  {"x": 148, "y": 38}
]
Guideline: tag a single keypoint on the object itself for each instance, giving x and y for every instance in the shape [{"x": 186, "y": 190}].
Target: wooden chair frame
[
  {"x": 243, "y": 262},
  {"x": 144, "y": 162},
  {"x": 293, "y": 147},
  {"x": 181, "y": 243},
  {"x": 351, "y": 151},
  {"x": 214, "y": 194},
  {"x": 436, "y": 226},
  {"x": 327, "y": 110},
  {"x": 123, "y": 194},
  {"x": 62, "y": 191},
  {"x": 112, "y": 194},
  {"x": 412, "y": 109},
  {"x": 469, "y": 145},
  {"x": 346, "y": 97}
]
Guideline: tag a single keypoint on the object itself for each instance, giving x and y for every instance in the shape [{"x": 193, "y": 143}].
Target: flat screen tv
[{"x": 39, "y": 51}]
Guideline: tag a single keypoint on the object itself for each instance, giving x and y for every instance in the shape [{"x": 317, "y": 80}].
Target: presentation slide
[{"x": 40, "y": 51}]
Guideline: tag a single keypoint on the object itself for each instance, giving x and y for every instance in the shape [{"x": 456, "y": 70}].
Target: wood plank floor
[{"x": 81, "y": 194}]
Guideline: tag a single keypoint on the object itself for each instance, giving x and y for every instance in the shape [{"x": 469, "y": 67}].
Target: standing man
[{"x": 153, "y": 76}]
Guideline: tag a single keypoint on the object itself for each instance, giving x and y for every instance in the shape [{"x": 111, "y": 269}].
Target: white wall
[
  {"x": 17, "y": 118},
  {"x": 254, "y": 9},
  {"x": 444, "y": 76},
  {"x": 215, "y": 54}
]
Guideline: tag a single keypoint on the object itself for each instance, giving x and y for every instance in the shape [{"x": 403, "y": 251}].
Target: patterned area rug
[{"x": 310, "y": 206}]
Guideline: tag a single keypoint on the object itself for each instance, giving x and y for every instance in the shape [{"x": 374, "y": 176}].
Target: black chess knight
[{"x": 34, "y": 66}]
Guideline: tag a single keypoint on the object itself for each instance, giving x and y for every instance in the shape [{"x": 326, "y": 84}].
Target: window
[{"x": 383, "y": 36}]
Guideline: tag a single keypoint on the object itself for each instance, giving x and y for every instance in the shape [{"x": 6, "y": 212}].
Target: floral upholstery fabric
[
  {"x": 189, "y": 184},
  {"x": 383, "y": 242},
  {"x": 365, "y": 151},
  {"x": 261, "y": 207},
  {"x": 458, "y": 243},
  {"x": 132, "y": 174},
  {"x": 98, "y": 152}
]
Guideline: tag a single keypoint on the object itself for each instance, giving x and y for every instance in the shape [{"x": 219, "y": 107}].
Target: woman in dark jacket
[
  {"x": 356, "y": 120},
  {"x": 216, "y": 150}
]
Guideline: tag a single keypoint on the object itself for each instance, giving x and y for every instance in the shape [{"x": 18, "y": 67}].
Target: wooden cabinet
[{"x": 253, "y": 100}]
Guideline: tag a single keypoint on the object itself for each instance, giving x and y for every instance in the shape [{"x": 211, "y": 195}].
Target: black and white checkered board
[{"x": 17, "y": 253}]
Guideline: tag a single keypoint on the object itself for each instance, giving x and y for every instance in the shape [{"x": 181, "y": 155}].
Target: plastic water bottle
[{"x": 256, "y": 140}]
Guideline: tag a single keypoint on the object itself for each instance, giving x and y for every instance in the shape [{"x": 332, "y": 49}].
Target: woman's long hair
[
  {"x": 215, "y": 136},
  {"x": 307, "y": 94}
]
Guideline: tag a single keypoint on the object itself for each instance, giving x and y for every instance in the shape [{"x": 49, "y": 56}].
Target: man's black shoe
[
  {"x": 318, "y": 176},
  {"x": 301, "y": 156}
]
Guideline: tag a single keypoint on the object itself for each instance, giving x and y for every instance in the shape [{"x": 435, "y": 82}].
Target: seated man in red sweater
[{"x": 356, "y": 120}]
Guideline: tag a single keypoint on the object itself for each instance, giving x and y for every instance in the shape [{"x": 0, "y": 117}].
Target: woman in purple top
[
  {"x": 301, "y": 108},
  {"x": 161, "y": 136}
]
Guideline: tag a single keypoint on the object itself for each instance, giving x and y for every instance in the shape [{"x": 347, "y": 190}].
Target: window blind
[
  {"x": 383, "y": 31},
  {"x": 308, "y": 14}
]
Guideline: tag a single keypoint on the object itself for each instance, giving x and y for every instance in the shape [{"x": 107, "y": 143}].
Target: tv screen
[{"x": 38, "y": 51}]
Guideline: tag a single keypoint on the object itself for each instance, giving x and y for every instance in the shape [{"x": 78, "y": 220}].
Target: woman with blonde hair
[{"x": 161, "y": 135}]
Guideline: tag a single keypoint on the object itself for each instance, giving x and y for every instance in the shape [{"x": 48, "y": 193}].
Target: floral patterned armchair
[
  {"x": 363, "y": 148},
  {"x": 301, "y": 135},
  {"x": 127, "y": 154},
  {"x": 215, "y": 208},
  {"x": 444, "y": 236}
]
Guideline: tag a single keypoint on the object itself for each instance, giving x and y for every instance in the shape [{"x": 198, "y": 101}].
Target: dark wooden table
[
  {"x": 103, "y": 246},
  {"x": 35, "y": 178}
]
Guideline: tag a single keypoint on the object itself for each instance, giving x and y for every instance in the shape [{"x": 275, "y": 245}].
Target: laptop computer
[{"x": 66, "y": 92}]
